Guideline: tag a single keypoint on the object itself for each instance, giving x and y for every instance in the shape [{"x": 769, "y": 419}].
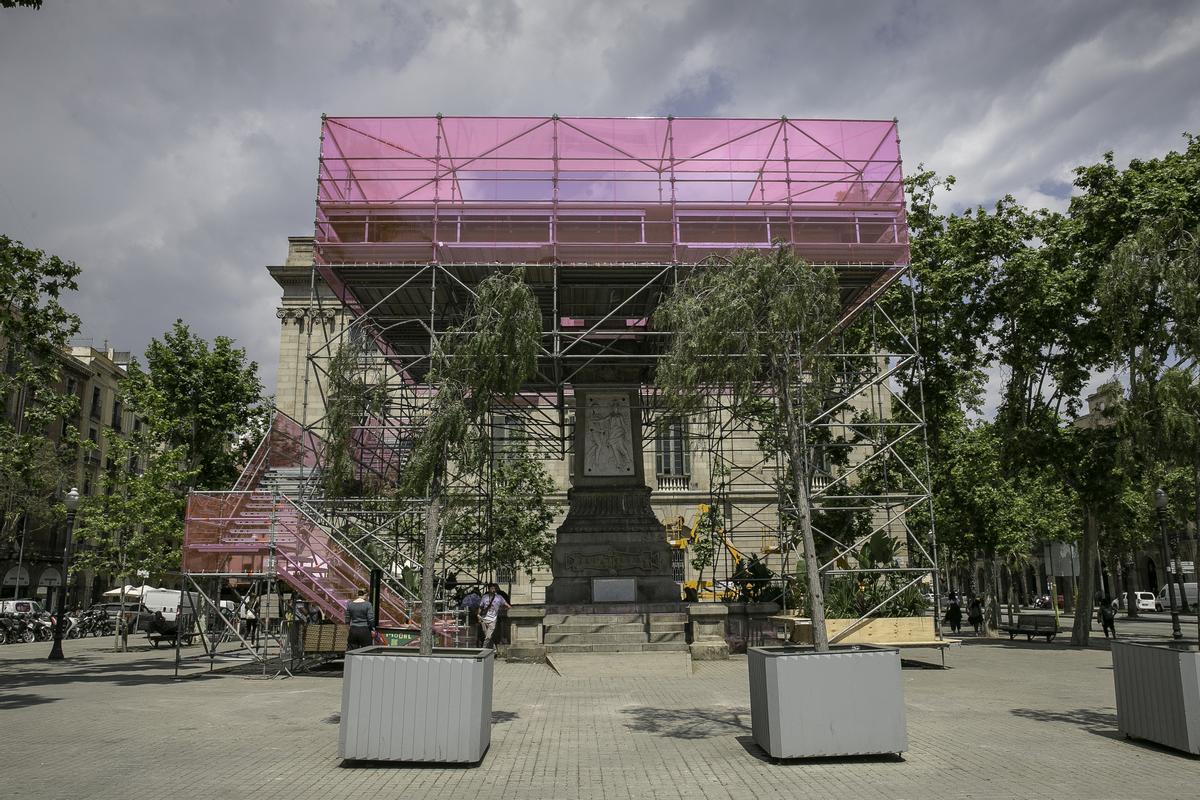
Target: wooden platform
[{"x": 899, "y": 632}]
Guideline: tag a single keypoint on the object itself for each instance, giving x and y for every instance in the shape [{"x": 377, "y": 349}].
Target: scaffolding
[{"x": 604, "y": 216}]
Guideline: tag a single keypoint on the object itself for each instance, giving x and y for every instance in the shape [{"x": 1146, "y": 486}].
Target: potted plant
[
  {"x": 1158, "y": 692},
  {"x": 435, "y": 704},
  {"x": 754, "y": 329}
]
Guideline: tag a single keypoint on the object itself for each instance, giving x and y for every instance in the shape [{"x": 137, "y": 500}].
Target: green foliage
[
  {"x": 520, "y": 513},
  {"x": 751, "y": 326},
  {"x": 743, "y": 325},
  {"x": 490, "y": 355},
  {"x": 136, "y": 522},
  {"x": 199, "y": 396},
  {"x": 704, "y": 547},
  {"x": 351, "y": 396},
  {"x": 34, "y": 330}
]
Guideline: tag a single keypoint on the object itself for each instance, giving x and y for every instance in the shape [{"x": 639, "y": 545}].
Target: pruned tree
[
  {"x": 753, "y": 325},
  {"x": 491, "y": 354}
]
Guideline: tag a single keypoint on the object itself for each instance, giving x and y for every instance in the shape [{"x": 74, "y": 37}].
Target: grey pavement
[{"x": 1008, "y": 719}]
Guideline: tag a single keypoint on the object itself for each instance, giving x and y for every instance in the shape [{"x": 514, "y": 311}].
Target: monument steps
[
  {"x": 642, "y": 647},
  {"x": 594, "y": 619},
  {"x": 597, "y": 627},
  {"x": 635, "y": 637},
  {"x": 615, "y": 633}
]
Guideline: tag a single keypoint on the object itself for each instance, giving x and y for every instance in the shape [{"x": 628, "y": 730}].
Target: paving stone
[{"x": 1006, "y": 720}]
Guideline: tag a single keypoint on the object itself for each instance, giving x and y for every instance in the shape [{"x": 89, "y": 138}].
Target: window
[
  {"x": 94, "y": 435},
  {"x": 96, "y": 402},
  {"x": 508, "y": 435},
  {"x": 117, "y": 413},
  {"x": 505, "y": 575},
  {"x": 677, "y": 565},
  {"x": 671, "y": 450}
]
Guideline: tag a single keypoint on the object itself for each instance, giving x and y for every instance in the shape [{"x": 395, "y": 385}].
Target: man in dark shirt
[{"x": 360, "y": 618}]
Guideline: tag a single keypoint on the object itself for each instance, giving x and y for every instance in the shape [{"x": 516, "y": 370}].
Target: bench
[{"x": 1033, "y": 625}]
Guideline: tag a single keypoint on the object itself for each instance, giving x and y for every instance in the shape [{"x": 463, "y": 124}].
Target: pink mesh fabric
[{"x": 639, "y": 190}]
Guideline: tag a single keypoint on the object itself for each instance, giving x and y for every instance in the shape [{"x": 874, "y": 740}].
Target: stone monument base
[{"x": 611, "y": 549}]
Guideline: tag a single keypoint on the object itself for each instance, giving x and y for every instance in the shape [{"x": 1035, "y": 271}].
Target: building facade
[{"x": 32, "y": 564}]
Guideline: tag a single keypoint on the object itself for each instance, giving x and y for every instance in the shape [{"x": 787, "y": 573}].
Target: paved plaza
[{"x": 1007, "y": 719}]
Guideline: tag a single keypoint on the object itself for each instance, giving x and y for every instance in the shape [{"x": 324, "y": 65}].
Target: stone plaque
[
  {"x": 608, "y": 439},
  {"x": 614, "y": 590}
]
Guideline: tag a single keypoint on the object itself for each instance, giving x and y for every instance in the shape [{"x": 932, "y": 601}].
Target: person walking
[
  {"x": 489, "y": 613},
  {"x": 954, "y": 614},
  {"x": 361, "y": 620},
  {"x": 470, "y": 604},
  {"x": 975, "y": 615},
  {"x": 249, "y": 619},
  {"x": 1108, "y": 616}
]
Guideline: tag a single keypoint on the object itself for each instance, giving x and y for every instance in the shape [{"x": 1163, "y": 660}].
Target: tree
[
  {"x": 136, "y": 524},
  {"x": 491, "y": 354},
  {"x": 520, "y": 515},
  {"x": 20, "y": 3},
  {"x": 750, "y": 326},
  {"x": 34, "y": 332},
  {"x": 200, "y": 397},
  {"x": 351, "y": 396}
]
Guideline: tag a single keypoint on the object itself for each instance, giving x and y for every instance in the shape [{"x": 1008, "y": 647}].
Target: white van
[
  {"x": 169, "y": 602},
  {"x": 1163, "y": 601},
  {"x": 20, "y": 607}
]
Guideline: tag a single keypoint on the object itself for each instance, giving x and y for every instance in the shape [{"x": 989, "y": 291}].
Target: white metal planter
[
  {"x": 1158, "y": 693},
  {"x": 398, "y": 705},
  {"x": 848, "y": 701}
]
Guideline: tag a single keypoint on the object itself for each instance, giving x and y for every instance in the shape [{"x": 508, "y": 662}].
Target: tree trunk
[
  {"x": 1082, "y": 628},
  {"x": 1131, "y": 588},
  {"x": 991, "y": 602},
  {"x": 800, "y": 476},
  {"x": 433, "y": 515}
]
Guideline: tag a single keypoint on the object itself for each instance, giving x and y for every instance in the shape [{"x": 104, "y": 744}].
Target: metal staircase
[{"x": 275, "y": 523}]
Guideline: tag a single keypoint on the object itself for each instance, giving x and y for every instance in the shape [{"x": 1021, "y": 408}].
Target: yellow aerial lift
[{"x": 681, "y": 537}]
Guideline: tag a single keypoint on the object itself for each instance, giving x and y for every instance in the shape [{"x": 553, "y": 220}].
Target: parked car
[
  {"x": 1145, "y": 601},
  {"x": 21, "y": 607},
  {"x": 1164, "y": 598}
]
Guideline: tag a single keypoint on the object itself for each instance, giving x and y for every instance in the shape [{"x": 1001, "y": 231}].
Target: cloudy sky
[{"x": 169, "y": 148}]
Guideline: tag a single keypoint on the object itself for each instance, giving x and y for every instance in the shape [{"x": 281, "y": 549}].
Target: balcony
[{"x": 674, "y": 483}]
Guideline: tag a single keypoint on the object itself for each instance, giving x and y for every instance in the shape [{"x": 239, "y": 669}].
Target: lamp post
[
  {"x": 72, "y": 502},
  {"x": 1160, "y": 508}
]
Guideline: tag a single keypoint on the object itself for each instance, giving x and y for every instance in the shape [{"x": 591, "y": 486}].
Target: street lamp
[
  {"x": 72, "y": 502},
  {"x": 1160, "y": 508}
]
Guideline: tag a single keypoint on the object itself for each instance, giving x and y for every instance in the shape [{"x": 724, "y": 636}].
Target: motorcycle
[
  {"x": 8, "y": 629},
  {"x": 43, "y": 627}
]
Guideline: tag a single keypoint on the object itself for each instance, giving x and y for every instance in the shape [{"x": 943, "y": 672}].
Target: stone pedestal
[
  {"x": 708, "y": 631},
  {"x": 525, "y": 634},
  {"x": 610, "y": 531}
]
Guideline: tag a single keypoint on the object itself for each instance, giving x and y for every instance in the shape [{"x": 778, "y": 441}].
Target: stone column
[{"x": 610, "y": 547}]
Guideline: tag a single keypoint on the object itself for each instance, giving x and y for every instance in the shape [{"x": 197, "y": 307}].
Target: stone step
[
  {"x": 644, "y": 647},
  {"x": 593, "y": 619},
  {"x": 553, "y": 637},
  {"x": 666, "y": 636},
  {"x": 667, "y": 626},
  {"x": 620, "y": 627},
  {"x": 654, "y": 618}
]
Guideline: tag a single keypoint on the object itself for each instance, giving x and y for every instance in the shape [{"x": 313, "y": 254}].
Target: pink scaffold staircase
[{"x": 258, "y": 529}]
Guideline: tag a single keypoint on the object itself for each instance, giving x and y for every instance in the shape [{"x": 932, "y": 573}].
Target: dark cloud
[{"x": 170, "y": 147}]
